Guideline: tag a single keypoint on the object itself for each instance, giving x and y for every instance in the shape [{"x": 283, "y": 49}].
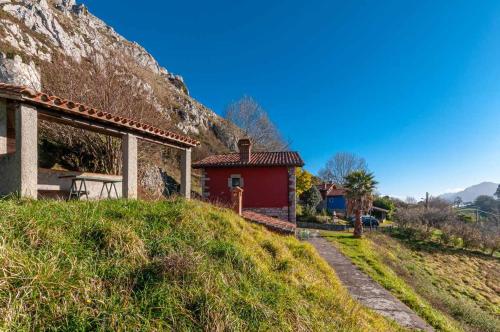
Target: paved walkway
[{"x": 366, "y": 290}]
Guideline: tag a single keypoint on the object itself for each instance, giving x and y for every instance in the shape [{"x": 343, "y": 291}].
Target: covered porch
[{"x": 20, "y": 110}]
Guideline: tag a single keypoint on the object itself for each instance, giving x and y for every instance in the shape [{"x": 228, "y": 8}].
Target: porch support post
[
  {"x": 27, "y": 150},
  {"x": 186, "y": 173},
  {"x": 129, "y": 155},
  {"x": 3, "y": 126}
]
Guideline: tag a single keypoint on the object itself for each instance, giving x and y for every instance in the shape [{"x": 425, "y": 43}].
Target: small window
[{"x": 235, "y": 182}]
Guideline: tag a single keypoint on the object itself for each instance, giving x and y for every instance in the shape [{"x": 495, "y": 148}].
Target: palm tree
[{"x": 359, "y": 187}]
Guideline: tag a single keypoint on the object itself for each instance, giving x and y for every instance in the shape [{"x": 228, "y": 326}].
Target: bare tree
[
  {"x": 411, "y": 200},
  {"x": 341, "y": 165},
  {"x": 107, "y": 86},
  {"x": 247, "y": 114}
]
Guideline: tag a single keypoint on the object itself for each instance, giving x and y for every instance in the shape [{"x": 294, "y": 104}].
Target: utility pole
[{"x": 427, "y": 200}]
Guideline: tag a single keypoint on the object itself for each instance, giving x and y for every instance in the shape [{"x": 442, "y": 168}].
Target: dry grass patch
[
  {"x": 453, "y": 289},
  {"x": 169, "y": 265}
]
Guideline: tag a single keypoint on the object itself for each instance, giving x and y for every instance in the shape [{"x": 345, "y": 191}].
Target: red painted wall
[{"x": 262, "y": 186}]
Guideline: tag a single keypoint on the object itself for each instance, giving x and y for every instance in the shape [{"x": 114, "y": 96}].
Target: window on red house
[{"x": 235, "y": 182}]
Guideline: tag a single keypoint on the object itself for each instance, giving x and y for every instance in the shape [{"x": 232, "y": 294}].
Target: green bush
[{"x": 311, "y": 199}]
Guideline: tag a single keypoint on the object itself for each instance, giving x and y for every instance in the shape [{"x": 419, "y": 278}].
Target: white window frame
[{"x": 235, "y": 176}]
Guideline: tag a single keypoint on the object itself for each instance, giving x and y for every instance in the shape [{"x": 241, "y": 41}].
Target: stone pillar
[
  {"x": 237, "y": 200},
  {"x": 186, "y": 173},
  {"x": 129, "y": 155},
  {"x": 3, "y": 126},
  {"x": 292, "y": 198},
  {"x": 27, "y": 150}
]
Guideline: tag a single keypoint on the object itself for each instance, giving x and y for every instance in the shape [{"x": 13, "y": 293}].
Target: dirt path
[{"x": 366, "y": 290}]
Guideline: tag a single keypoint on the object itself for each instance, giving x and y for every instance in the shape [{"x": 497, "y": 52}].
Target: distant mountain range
[{"x": 471, "y": 193}]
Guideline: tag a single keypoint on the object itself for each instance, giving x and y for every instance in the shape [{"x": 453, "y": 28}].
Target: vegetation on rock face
[
  {"x": 82, "y": 59},
  {"x": 169, "y": 265},
  {"x": 453, "y": 289}
]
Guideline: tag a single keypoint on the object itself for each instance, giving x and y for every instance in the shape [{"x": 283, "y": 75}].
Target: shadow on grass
[{"x": 413, "y": 242}]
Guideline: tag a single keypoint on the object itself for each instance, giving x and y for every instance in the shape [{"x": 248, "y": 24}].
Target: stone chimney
[{"x": 245, "y": 148}]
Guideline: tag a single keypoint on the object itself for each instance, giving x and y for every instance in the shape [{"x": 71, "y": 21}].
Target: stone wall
[{"x": 275, "y": 212}]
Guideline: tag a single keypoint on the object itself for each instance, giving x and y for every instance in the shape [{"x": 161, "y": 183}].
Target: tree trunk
[{"x": 358, "y": 225}]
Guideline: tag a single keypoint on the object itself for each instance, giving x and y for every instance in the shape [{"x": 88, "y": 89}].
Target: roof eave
[
  {"x": 32, "y": 97},
  {"x": 196, "y": 166}
]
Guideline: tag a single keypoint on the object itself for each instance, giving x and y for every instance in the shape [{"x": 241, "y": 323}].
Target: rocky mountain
[
  {"x": 38, "y": 30},
  {"x": 38, "y": 38},
  {"x": 471, "y": 193}
]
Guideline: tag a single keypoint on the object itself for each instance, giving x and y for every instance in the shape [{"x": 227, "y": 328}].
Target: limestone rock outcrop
[
  {"x": 40, "y": 29},
  {"x": 15, "y": 71}
]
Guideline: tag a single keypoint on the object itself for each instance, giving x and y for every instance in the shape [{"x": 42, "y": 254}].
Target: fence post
[{"x": 237, "y": 200}]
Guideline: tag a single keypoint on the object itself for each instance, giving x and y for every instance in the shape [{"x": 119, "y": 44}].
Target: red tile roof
[
  {"x": 271, "y": 223},
  {"x": 285, "y": 158},
  {"x": 331, "y": 189},
  {"x": 40, "y": 99}
]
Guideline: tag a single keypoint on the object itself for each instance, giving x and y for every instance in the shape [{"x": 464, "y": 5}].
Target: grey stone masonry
[
  {"x": 186, "y": 173},
  {"x": 26, "y": 151},
  {"x": 3, "y": 126},
  {"x": 129, "y": 146},
  {"x": 275, "y": 212}
]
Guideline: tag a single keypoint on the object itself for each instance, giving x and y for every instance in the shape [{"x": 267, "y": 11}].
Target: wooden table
[{"x": 79, "y": 185}]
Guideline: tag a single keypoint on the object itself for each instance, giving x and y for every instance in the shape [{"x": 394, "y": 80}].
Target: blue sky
[{"x": 412, "y": 86}]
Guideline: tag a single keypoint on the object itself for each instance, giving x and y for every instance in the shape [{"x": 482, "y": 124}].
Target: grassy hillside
[
  {"x": 173, "y": 265},
  {"x": 453, "y": 289}
]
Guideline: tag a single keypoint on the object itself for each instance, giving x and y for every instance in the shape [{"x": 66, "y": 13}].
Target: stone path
[{"x": 366, "y": 290}]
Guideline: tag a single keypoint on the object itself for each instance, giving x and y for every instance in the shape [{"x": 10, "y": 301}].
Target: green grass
[
  {"x": 453, "y": 290},
  {"x": 160, "y": 266}
]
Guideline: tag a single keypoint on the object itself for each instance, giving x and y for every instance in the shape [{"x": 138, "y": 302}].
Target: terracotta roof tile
[
  {"x": 331, "y": 189},
  {"x": 269, "y": 222},
  {"x": 285, "y": 158},
  {"x": 55, "y": 103}
]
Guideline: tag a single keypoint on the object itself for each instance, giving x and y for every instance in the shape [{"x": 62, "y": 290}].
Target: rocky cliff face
[
  {"x": 40, "y": 34},
  {"x": 42, "y": 30}
]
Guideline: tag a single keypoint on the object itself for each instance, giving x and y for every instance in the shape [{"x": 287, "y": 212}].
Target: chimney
[{"x": 245, "y": 148}]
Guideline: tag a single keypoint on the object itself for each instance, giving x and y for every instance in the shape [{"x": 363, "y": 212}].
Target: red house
[{"x": 267, "y": 179}]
